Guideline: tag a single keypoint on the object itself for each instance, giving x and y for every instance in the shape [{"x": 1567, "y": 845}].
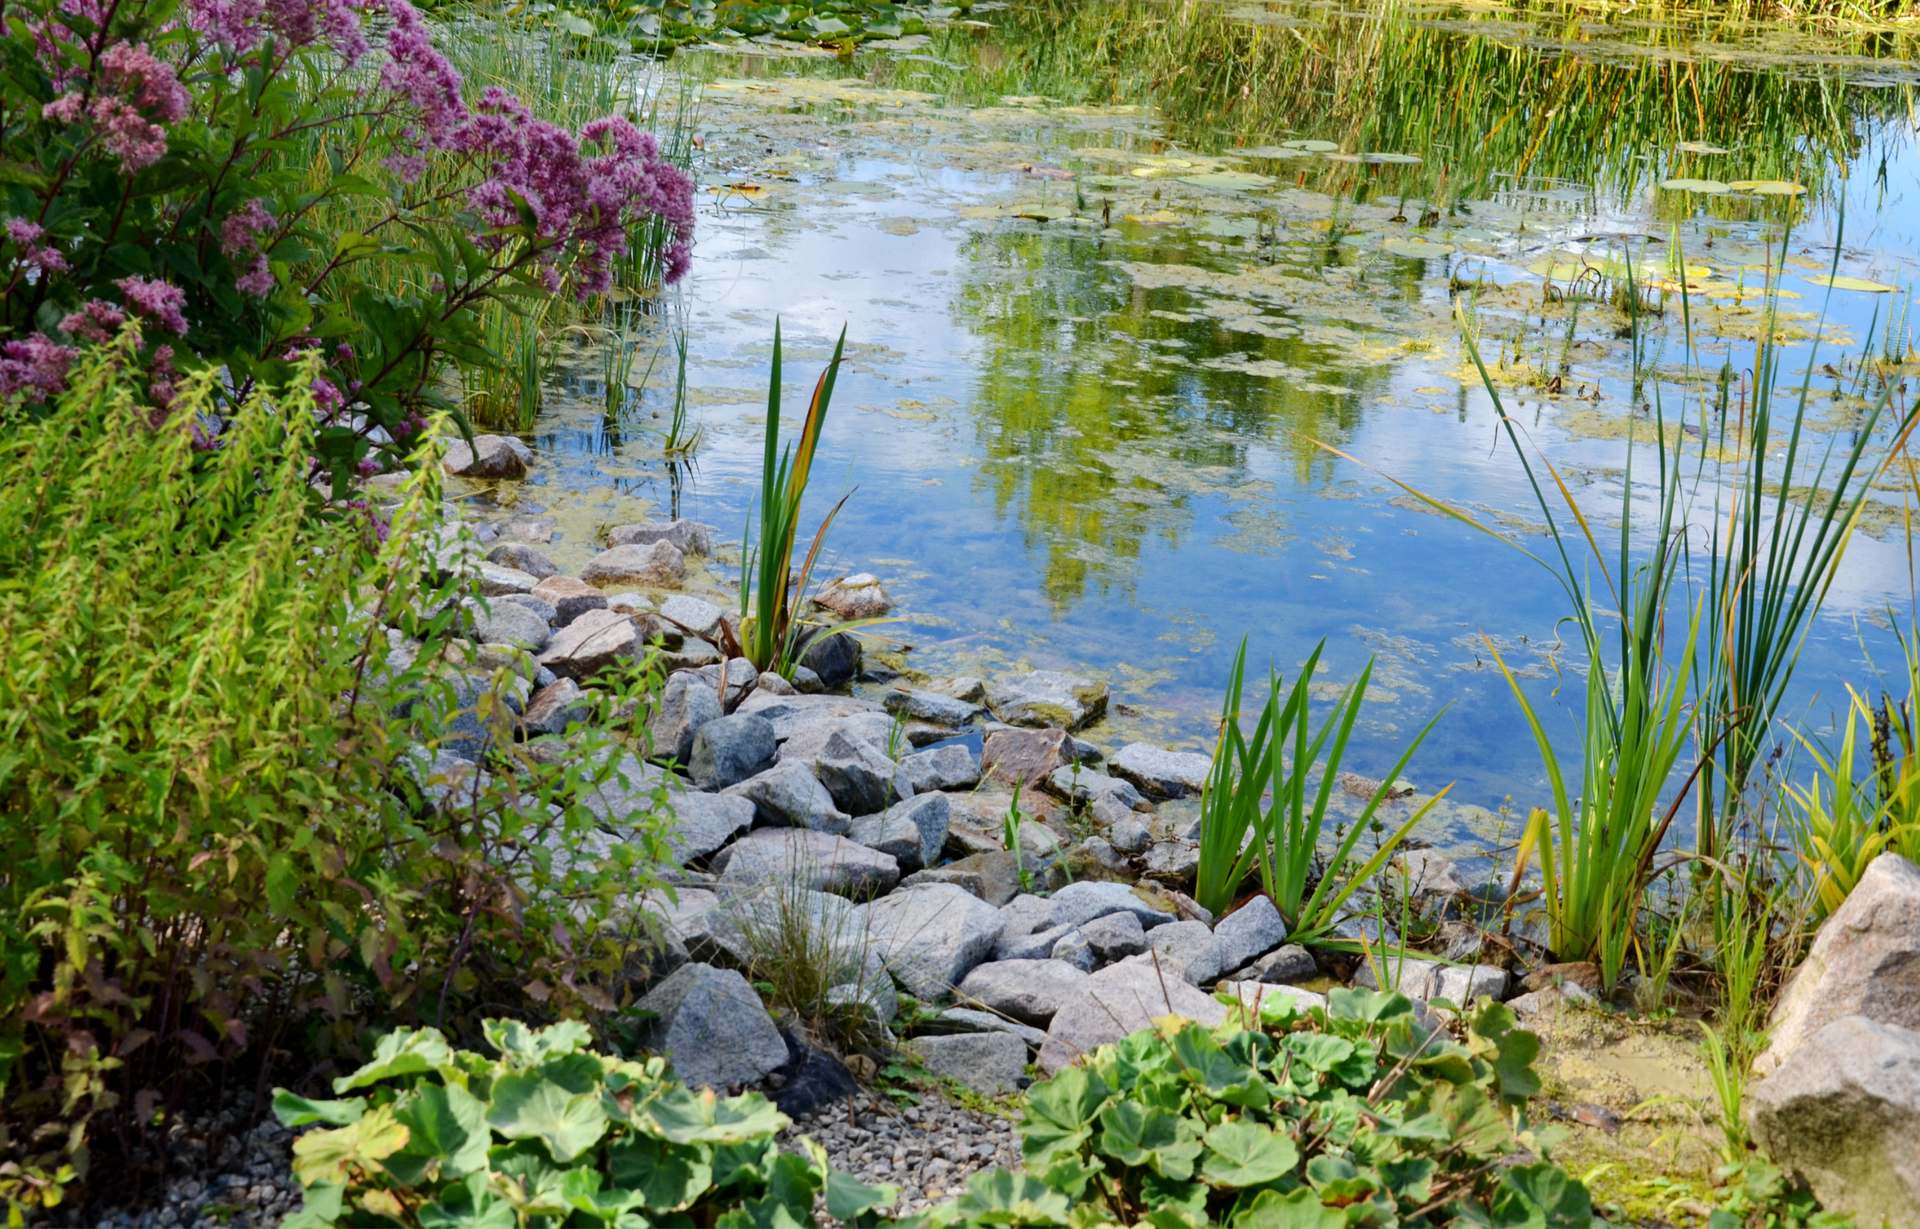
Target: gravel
[
  {"x": 927, "y": 1150},
  {"x": 215, "y": 1180}
]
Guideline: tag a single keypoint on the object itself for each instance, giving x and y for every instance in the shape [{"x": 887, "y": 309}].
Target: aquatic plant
[
  {"x": 1844, "y": 818},
  {"x": 1240, "y": 833}
]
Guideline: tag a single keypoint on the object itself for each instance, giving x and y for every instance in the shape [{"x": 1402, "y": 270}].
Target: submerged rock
[
  {"x": 648, "y": 566},
  {"x": 859, "y": 596},
  {"x": 1047, "y": 698}
]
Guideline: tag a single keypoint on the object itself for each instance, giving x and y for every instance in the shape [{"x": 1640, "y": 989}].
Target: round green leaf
[
  {"x": 1414, "y": 247},
  {"x": 1311, "y": 147},
  {"x": 530, "y": 1106},
  {"x": 1234, "y": 181},
  {"x": 1835, "y": 282},
  {"x": 1693, "y": 185},
  {"x": 404, "y": 1051},
  {"x": 1247, "y": 1154},
  {"x": 1299, "y": 1209},
  {"x": 447, "y": 1124}
]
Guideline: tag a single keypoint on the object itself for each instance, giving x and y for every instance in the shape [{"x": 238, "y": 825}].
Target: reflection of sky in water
[{"x": 1045, "y": 472}]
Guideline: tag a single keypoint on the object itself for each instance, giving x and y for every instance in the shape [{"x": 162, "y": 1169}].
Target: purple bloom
[
  {"x": 38, "y": 364},
  {"x": 163, "y": 302},
  {"x": 258, "y": 281},
  {"x": 240, "y": 232},
  {"x": 416, "y": 70},
  {"x": 23, "y": 232},
  {"x": 95, "y": 321},
  {"x": 150, "y": 84}
]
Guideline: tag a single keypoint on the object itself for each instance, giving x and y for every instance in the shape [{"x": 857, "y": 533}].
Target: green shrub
[
  {"x": 1347, "y": 1115},
  {"x": 550, "y": 1134},
  {"x": 218, "y": 842}
]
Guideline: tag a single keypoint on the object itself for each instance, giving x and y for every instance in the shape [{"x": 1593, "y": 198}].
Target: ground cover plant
[{"x": 227, "y": 840}]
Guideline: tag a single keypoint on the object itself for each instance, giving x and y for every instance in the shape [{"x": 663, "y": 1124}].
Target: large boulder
[
  {"x": 834, "y": 658},
  {"x": 1114, "y": 937},
  {"x": 570, "y": 598},
  {"x": 1189, "y": 947},
  {"x": 1024, "y": 757},
  {"x": 497, "y": 581},
  {"x": 1047, "y": 698},
  {"x": 1029, "y": 991},
  {"x": 855, "y": 597},
  {"x": 686, "y": 704},
  {"x": 1160, "y": 773},
  {"x": 861, "y": 779},
  {"x": 1283, "y": 966},
  {"x": 1118, "y": 1000},
  {"x": 989, "y": 1063},
  {"x": 1864, "y": 962},
  {"x": 713, "y": 1028},
  {"x": 692, "y": 615},
  {"x": 489, "y": 456},
  {"x": 992, "y": 874},
  {"x": 506, "y": 623},
  {"x": 554, "y": 707},
  {"x": 788, "y": 795},
  {"x": 590, "y": 644},
  {"x": 892, "y": 835},
  {"x": 728, "y": 751},
  {"x": 523, "y": 557},
  {"x": 938, "y": 768},
  {"x": 647, "y": 566},
  {"x": 1080, "y": 903},
  {"x": 688, "y": 537},
  {"x": 1254, "y": 929},
  {"x": 930, "y": 815},
  {"x": 816, "y": 860},
  {"x": 930, "y": 706},
  {"x": 932, "y": 935},
  {"x": 1842, "y": 1114},
  {"x": 1414, "y": 978}
]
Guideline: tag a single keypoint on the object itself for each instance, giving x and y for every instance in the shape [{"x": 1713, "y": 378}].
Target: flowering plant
[{"x": 261, "y": 180}]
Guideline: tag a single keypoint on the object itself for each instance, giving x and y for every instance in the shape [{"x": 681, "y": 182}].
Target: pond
[{"x": 1115, "y": 278}]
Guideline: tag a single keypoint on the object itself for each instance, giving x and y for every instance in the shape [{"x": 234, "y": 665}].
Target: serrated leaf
[
  {"x": 996, "y": 1197},
  {"x": 1136, "y": 1135},
  {"x": 848, "y": 1197},
  {"x": 468, "y": 1205},
  {"x": 404, "y": 1051},
  {"x": 1247, "y": 1154},
  {"x": 527, "y": 1105},
  {"x": 446, "y": 1133},
  {"x": 1070, "y": 1175},
  {"x": 687, "y": 1117},
  {"x": 297, "y": 1111},
  {"x": 523, "y": 1046},
  {"x": 1202, "y": 1059},
  {"x": 1059, "y": 1114},
  {"x": 1299, "y": 1209},
  {"x": 580, "y": 1187},
  {"x": 670, "y": 1176},
  {"x": 330, "y": 1156},
  {"x": 1556, "y": 1200}
]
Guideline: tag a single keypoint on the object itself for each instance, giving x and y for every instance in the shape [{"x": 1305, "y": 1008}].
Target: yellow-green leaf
[{"x": 328, "y": 1156}]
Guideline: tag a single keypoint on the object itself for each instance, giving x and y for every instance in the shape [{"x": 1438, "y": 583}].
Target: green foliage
[
  {"x": 1757, "y": 1195},
  {"x": 1840, "y": 823},
  {"x": 1350, "y": 1114},
  {"x": 223, "y": 836},
  {"x": 1285, "y": 832},
  {"x": 550, "y": 1133}
]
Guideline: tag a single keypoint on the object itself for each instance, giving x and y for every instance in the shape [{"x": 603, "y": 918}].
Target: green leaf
[
  {"x": 1494, "y": 1035},
  {"x": 670, "y": 1176},
  {"x": 1223, "y": 1076},
  {"x": 1247, "y": 1154},
  {"x": 580, "y": 1187},
  {"x": 794, "y": 1180},
  {"x": 297, "y": 1111},
  {"x": 321, "y": 1207},
  {"x": 996, "y": 1197},
  {"x": 468, "y": 1205},
  {"x": 1561, "y": 1201},
  {"x": 1299, "y": 1209},
  {"x": 527, "y": 1105},
  {"x": 446, "y": 1133},
  {"x": 686, "y": 1117},
  {"x": 404, "y": 1051},
  {"x": 1136, "y": 1135},
  {"x": 1059, "y": 1113},
  {"x": 1367, "y": 1006},
  {"x": 1070, "y": 1175},
  {"x": 1318, "y": 1051},
  {"x": 329, "y": 1156},
  {"x": 1410, "y": 1178},
  {"x": 848, "y": 1197},
  {"x": 525, "y": 1047}
]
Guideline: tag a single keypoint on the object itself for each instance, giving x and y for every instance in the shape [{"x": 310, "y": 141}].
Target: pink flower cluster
[
  {"x": 97, "y": 320},
  {"x": 244, "y": 24},
  {"x": 37, "y": 365},
  {"x": 137, "y": 93},
  {"x": 45, "y": 259},
  {"x": 242, "y": 234}
]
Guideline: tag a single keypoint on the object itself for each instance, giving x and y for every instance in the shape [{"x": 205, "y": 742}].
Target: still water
[{"x": 1109, "y": 285}]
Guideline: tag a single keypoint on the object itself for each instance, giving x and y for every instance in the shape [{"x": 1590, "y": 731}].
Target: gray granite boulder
[
  {"x": 646, "y": 566},
  {"x": 932, "y": 935},
  {"x": 688, "y": 537},
  {"x": 522, "y": 557},
  {"x": 493, "y": 580},
  {"x": 686, "y": 704},
  {"x": 594, "y": 641},
  {"x": 554, "y": 707},
  {"x": 1285, "y": 965},
  {"x": 1114, "y": 937},
  {"x": 1029, "y": 991},
  {"x": 834, "y": 657},
  {"x": 1085, "y": 786},
  {"x": 1035, "y": 946},
  {"x": 989, "y": 1063},
  {"x": 1118, "y": 1000},
  {"x": 930, "y": 814},
  {"x": 569, "y": 597},
  {"x": 1841, "y": 1113},
  {"x": 1074, "y": 949},
  {"x": 1047, "y": 698},
  {"x": 489, "y": 456},
  {"x": 1464, "y": 985},
  {"x": 859, "y": 596},
  {"x": 788, "y": 795},
  {"x": 1160, "y": 773},
  {"x": 930, "y": 706},
  {"x": 692, "y": 615},
  {"x": 816, "y": 860},
  {"x": 1080, "y": 903},
  {"x": 1129, "y": 835},
  {"x": 941, "y": 768},
  {"x": 1254, "y": 929},
  {"x": 531, "y": 601},
  {"x": 891, "y": 834},
  {"x": 713, "y": 1028},
  {"x": 861, "y": 779},
  {"x": 731, "y": 749},
  {"x": 506, "y": 622},
  {"x": 1414, "y": 978},
  {"x": 1189, "y": 947},
  {"x": 987, "y": 1022}
]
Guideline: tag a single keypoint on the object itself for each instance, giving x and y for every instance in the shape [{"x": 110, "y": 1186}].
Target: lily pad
[
  {"x": 1700, "y": 147},
  {"x": 1398, "y": 159},
  {"x": 1159, "y": 217},
  {"x": 1274, "y": 151},
  {"x": 1414, "y": 247},
  {"x": 1849, "y": 283},
  {"x": 1766, "y": 187},
  {"x": 1693, "y": 185},
  {"x": 1311, "y": 147},
  {"x": 1233, "y": 181}
]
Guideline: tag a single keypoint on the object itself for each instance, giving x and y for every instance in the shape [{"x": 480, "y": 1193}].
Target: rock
[
  {"x": 591, "y": 643},
  {"x": 1114, "y": 937},
  {"x": 506, "y": 622},
  {"x": 1414, "y": 978},
  {"x": 688, "y": 537},
  {"x": 948, "y": 767},
  {"x": 993, "y": 875},
  {"x": 930, "y": 706},
  {"x": 647, "y": 566},
  {"x": 741, "y": 678},
  {"x": 1118, "y": 1000},
  {"x": 713, "y": 1028},
  {"x": 627, "y": 790},
  {"x": 1841, "y": 1111},
  {"x": 1129, "y": 836},
  {"x": 1189, "y": 947},
  {"x": 1366, "y": 788},
  {"x": 798, "y": 856},
  {"x": 1865, "y": 961},
  {"x": 1047, "y": 698},
  {"x": 877, "y": 996},
  {"x": 1254, "y": 929},
  {"x": 1023, "y": 757},
  {"x": 987, "y": 1022},
  {"x": 805, "y": 740},
  {"x": 1074, "y": 950},
  {"x": 692, "y": 655},
  {"x": 1025, "y": 914},
  {"x": 788, "y": 795},
  {"x": 774, "y": 684},
  {"x": 1462, "y": 985},
  {"x": 1427, "y": 873},
  {"x": 962, "y": 687},
  {"x": 812, "y": 1079},
  {"x": 686, "y": 704},
  {"x": 1160, "y": 773},
  {"x": 704, "y": 822},
  {"x": 538, "y": 605},
  {"x": 731, "y": 749},
  {"x": 988, "y": 1063},
  {"x": 1083, "y": 785},
  {"x": 861, "y": 779},
  {"x": 930, "y": 816},
  {"x": 569, "y": 598},
  {"x": 555, "y": 707},
  {"x": 1080, "y": 903},
  {"x": 494, "y": 580},
  {"x": 1035, "y": 946},
  {"x": 1582, "y": 973},
  {"x": 855, "y": 597},
  {"x": 932, "y": 935},
  {"x": 806, "y": 682},
  {"x": 692, "y": 615},
  {"x": 761, "y": 922},
  {"x": 1291, "y": 963},
  {"x": 523, "y": 557},
  {"x": 1093, "y": 858},
  {"x": 1177, "y": 861},
  {"x": 835, "y": 658},
  {"x": 490, "y": 456},
  {"x": 1029, "y": 991},
  {"x": 890, "y": 834}
]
